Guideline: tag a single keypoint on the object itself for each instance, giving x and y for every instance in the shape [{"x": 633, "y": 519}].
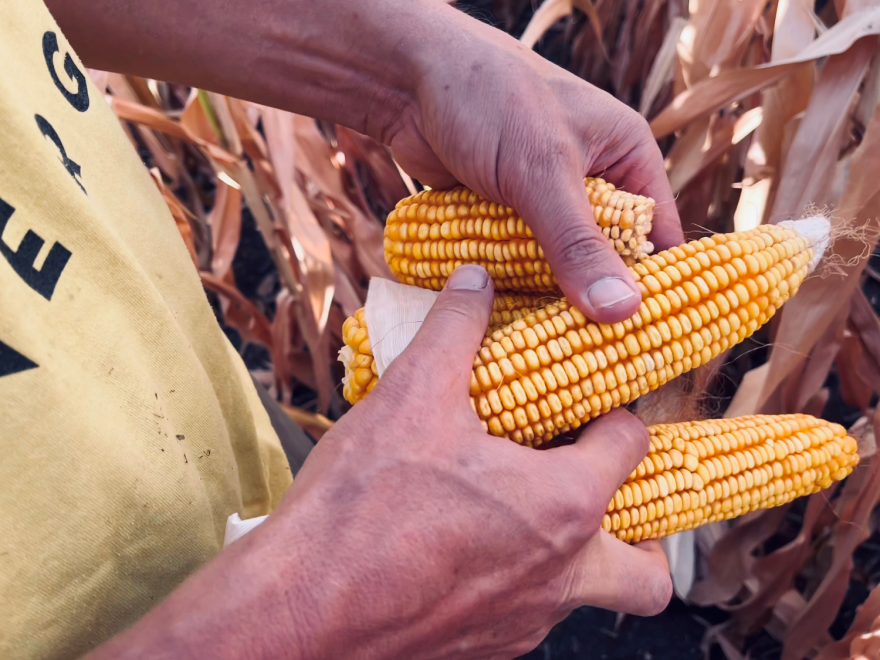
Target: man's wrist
[{"x": 253, "y": 600}]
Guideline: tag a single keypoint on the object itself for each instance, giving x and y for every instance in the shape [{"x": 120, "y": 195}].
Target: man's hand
[
  {"x": 456, "y": 543},
  {"x": 410, "y": 533},
  {"x": 519, "y": 130},
  {"x": 455, "y": 99}
]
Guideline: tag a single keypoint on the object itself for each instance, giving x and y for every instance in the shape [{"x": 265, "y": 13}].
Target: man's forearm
[{"x": 353, "y": 62}]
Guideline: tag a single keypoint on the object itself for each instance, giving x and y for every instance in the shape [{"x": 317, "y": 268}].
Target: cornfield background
[{"x": 763, "y": 109}]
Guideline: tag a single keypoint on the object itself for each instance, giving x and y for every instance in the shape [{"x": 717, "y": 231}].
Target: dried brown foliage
[
  {"x": 763, "y": 109},
  {"x": 318, "y": 199}
]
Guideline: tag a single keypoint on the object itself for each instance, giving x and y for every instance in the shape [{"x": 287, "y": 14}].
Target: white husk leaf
[{"x": 817, "y": 230}]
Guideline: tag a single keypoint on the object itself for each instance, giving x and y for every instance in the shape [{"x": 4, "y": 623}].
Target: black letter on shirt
[
  {"x": 42, "y": 281},
  {"x": 80, "y": 100},
  {"x": 12, "y": 362},
  {"x": 70, "y": 165}
]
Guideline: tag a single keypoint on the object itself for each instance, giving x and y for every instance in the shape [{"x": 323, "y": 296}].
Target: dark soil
[{"x": 599, "y": 634}]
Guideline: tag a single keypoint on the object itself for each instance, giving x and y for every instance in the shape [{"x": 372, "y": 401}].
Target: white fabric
[{"x": 236, "y": 527}]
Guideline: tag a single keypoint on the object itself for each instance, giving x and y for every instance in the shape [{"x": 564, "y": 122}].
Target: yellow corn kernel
[
  {"x": 430, "y": 234},
  {"x": 611, "y": 365},
  {"x": 727, "y": 485}
]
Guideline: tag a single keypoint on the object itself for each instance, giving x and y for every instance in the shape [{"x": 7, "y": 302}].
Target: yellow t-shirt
[{"x": 129, "y": 428}]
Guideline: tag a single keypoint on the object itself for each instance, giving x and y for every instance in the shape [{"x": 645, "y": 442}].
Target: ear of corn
[
  {"x": 701, "y": 472},
  {"x": 433, "y": 232},
  {"x": 544, "y": 369},
  {"x": 549, "y": 371}
]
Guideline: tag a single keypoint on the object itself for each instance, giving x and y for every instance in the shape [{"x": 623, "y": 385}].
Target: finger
[
  {"x": 417, "y": 159},
  {"x": 593, "y": 276},
  {"x": 607, "y": 452},
  {"x": 450, "y": 335},
  {"x": 609, "y": 573},
  {"x": 641, "y": 172}
]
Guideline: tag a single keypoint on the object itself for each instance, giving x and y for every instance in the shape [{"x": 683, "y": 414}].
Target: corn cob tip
[{"x": 816, "y": 230}]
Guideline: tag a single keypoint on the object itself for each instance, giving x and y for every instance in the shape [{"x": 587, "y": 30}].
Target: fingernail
[
  {"x": 468, "y": 277},
  {"x": 609, "y": 292}
]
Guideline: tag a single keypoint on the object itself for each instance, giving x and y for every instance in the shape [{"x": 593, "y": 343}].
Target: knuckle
[
  {"x": 456, "y": 308},
  {"x": 636, "y": 433},
  {"x": 402, "y": 377},
  {"x": 594, "y": 509},
  {"x": 580, "y": 515},
  {"x": 628, "y": 431},
  {"x": 658, "y": 593},
  {"x": 406, "y": 385},
  {"x": 545, "y": 148},
  {"x": 580, "y": 247},
  {"x": 533, "y": 161},
  {"x": 530, "y": 643},
  {"x": 627, "y": 129},
  {"x": 632, "y": 123},
  {"x": 652, "y": 588}
]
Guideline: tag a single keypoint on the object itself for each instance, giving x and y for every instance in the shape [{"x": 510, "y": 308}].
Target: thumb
[
  {"x": 451, "y": 334},
  {"x": 590, "y": 273}
]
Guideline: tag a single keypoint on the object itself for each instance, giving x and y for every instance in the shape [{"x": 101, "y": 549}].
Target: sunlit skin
[
  {"x": 410, "y": 532},
  {"x": 456, "y": 100}
]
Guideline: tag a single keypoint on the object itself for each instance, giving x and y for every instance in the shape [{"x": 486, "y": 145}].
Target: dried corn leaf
[
  {"x": 809, "y": 375},
  {"x": 820, "y": 301},
  {"x": 662, "y": 67},
  {"x": 159, "y": 147},
  {"x": 723, "y": 35},
  {"x": 772, "y": 575},
  {"x": 364, "y": 236},
  {"x": 310, "y": 246},
  {"x": 589, "y": 9},
  {"x": 746, "y": 399},
  {"x": 730, "y": 561},
  {"x": 793, "y": 31},
  {"x": 809, "y": 166},
  {"x": 225, "y": 223},
  {"x": 786, "y": 610},
  {"x": 196, "y": 121},
  {"x": 156, "y": 120},
  {"x": 860, "y": 495},
  {"x": 866, "y": 325},
  {"x": 99, "y": 78},
  {"x": 719, "y": 635},
  {"x": 861, "y": 641},
  {"x": 315, "y": 423},
  {"x": 180, "y": 214},
  {"x": 716, "y": 92},
  {"x": 372, "y": 170},
  {"x": 250, "y": 323},
  {"x": 709, "y": 146},
  {"x": 544, "y": 18},
  {"x": 855, "y": 392}
]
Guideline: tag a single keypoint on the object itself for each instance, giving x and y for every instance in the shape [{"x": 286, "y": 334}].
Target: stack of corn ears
[{"x": 545, "y": 369}]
